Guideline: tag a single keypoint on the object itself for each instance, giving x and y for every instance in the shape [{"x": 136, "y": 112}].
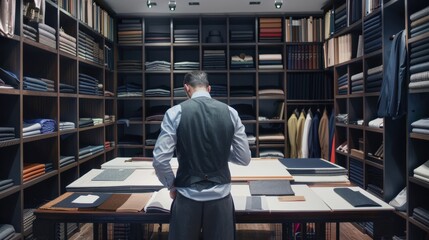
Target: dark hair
[{"x": 196, "y": 79}]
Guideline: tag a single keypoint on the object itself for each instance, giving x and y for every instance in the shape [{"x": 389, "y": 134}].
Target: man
[{"x": 206, "y": 134}]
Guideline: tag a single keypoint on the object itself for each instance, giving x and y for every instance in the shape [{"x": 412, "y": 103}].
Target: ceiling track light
[
  {"x": 278, "y": 3},
  {"x": 172, "y": 5},
  {"x": 150, "y": 3}
]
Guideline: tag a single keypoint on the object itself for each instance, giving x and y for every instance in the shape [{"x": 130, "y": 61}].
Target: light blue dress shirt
[{"x": 166, "y": 144}]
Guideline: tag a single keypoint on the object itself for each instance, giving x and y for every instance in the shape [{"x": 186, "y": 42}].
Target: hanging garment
[
  {"x": 291, "y": 129},
  {"x": 7, "y": 17}
]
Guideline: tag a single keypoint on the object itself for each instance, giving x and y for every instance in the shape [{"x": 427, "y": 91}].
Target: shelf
[
  {"x": 356, "y": 95},
  {"x": 129, "y": 98},
  {"x": 354, "y": 27},
  {"x": 419, "y": 224},
  {"x": 131, "y": 123},
  {"x": 274, "y": 145},
  {"x": 374, "y": 129},
  {"x": 305, "y": 71},
  {"x": 273, "y": 70},
  {"x": 130, "y": 45},
  {"x": 376, "y": 165},
  {"x": 373, "y": 94},
  {"x": 94, "y": 64},
  {"x": 214, "y": 44},
  {"x": 251, "y": 70},
  {"x": 415, "y": 91},
  {"x": 302, "y": 43},
  {"x": 83, "y": 160},
  {"x": 9, "y": 191},
  {"x": 130, "y": 72},
  {"x": 39, "y": 94},
  {"x": 163, "y": 44},
  {"x": 403, "y": 215},
  {"x": 9, "y": 91},
  {"x": 250, "y": 98},
  {"x": 10, "y": 142},
  {"x": 355, "y": 126},
  {"x": 40, "y": 46},
  {"x": 374, "y": 54},
  {"x": 67, "y": 55},
  {"x": 185, "y": 44},
  {"x": 68, "y": 166},
  {"x": 90, "y": 128},
  {"x": 271, "y": 121},
  {"x": 130, "y": 146},
  {"x": 83, "y": 96},
  {"x": 68, "y": 95},
  {"x": 419, "y": 136},
  {"x": 68, "y": 131},
  {"x": 39, "y": 137},
  {"x": 40, "y": 179},
  {"x": 341, "y": 125},
  {"x": 310, "y": 102},
  {"x": 238, "y": 44},
  {"x": 419, "y": 182},
  {"x": 351, "y": 61}
]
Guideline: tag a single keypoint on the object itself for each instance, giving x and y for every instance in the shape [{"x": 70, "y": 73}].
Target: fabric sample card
[
  {"x": 113, "y": 175},
  {"x": 68, "y": 202}
]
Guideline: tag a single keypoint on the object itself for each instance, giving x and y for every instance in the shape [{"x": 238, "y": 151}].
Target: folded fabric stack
[
  {"x": 89, "y": 50},
  {"x": 130, "y": 31},
  {"x": 156, "y": 113},
  {"x": 271, "y": 135},
  {"x": 107, "y": 145},
  {"x": 7, "y": 231},
  {"x": 38, "y": 84},
  {"x": 130, "y": 65},
  {"x": 66, "y": 88},
  {"x": 242, "y": 91},
  {"x": 214, "y": 37},
  {"x": 49, "y": 167},
  {"x": 38, "y": 126},
  {"x": 67, "y": 126},
  {"x": 66, "y": 160},
  {"x": 30, "y": 32},
  {"x": 130, "y": 89},
  {"x": 67, "y": 43},
  {"x": 109, "y": 118},
  {"x": 378, "y": 123},
  {"x": 3, "y": 85},
  {"x": 242, "y": 61},
  {"x": 88, "y": 85},
  {"x": 66, "y": 229},
  {"x": 376, "y": 178},
  {"x": 90, "y": 150},
  {"x": 32, "y": 171},
  {"x": 5, "y": 184},
  {"x": 186, "y": 35},
  {"x": 372, "y": 34},
  {"x": 245, "y": 111},
  {"x": 47, "y": 35},
  {"x": 270, "y": 30},
  {"x": 374, "y": 79},
  {"x": 419, "y": 22},
  {"x": 122, "y": 231},
  {"x": 378, "y": 154},
  {"x": 251, "y": 139},
  {"x": 214, "y": 60},
  {"x": 270, "y": 61},
  {"x": 343, "y": 86},
  {"x": 162, "y": 91},
  {"x": 86, "y": 122},
  {"x": 179, "y": 92},
  {"x": 158, "y": 66},
  {"x": 186, "y": 65},
  {"x": 419, "y": 65},
  {"x": 270, "y": 91},
  {"x": 356, "y": 172},
  {"x": 9, "y": 78},
  {"x": 271, "y": 153},
  {"x": 29, "y": 217},
  {"x": 218, "y": 90},
  {"x": 158, "y": 35},
  {"x": 422, "y": 215},
  {"x": 343, "y": 147},
  {"x": 420, "y": 126},
  {"x": 340, "y": 17},
  {"x": 7, "y": 133},
  {"x": 242, "y": 35},
  {"x": 422, "y": 172},
  {"x": 357, "y": 82}
]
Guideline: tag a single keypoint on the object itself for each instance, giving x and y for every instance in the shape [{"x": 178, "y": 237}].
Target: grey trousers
[{"x": 211, "y": 220}]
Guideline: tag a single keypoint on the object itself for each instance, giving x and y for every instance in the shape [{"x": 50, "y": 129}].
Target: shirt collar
[{"x": 201, "y": 93}]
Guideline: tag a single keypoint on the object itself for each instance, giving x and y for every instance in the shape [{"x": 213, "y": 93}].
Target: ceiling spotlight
[
  {"x": 150, "y": 3},
  {"x": 278, "y": 3},
  {"x": 172, "y": 5}
]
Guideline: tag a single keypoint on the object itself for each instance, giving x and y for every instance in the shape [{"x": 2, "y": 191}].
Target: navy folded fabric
[
  {"x": 418, "y": 46},
  {"x": 418, "y": 53},
  {"x": 419, "y": 68},
  {"x": 419, "y": 28},
  {"x": 374, "y": 77},
  {"x": 417, "y": 60},
  {"x": 9, "y": 78},
  {"x": 48, "y": 125},
  {"x": 420, "y": 32},
  {"x": 355, "y": 198}
]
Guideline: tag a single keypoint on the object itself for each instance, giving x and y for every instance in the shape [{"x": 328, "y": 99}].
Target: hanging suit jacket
[
  {"x": 313, "y": 137},
  {"x": 291, "y": 128},
  {"x": 391, "y": 102},
  {"x": 324, "y": 135},
  {"x": 299, "y": 133},
  {"x": 305, "y": 133}
]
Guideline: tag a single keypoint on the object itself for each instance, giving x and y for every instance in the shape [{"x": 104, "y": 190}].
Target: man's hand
[{"x": 173, "y": 193}]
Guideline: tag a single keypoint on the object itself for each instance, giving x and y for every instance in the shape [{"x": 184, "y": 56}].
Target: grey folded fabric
[
  {"x": 113, "y": 175},
  {"x": 419, "y": 14},
  {"x": 6, "y": 230},
  {"x": 355, "y": 198}
]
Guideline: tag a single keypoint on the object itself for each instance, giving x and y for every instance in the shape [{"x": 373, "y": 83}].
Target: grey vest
[{"x": 204, "y": 138}]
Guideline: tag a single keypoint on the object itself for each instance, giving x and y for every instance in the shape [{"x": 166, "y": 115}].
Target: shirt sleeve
[
  {"x": 240, "y": 151},
  {"x": 165, "y": 147}
]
